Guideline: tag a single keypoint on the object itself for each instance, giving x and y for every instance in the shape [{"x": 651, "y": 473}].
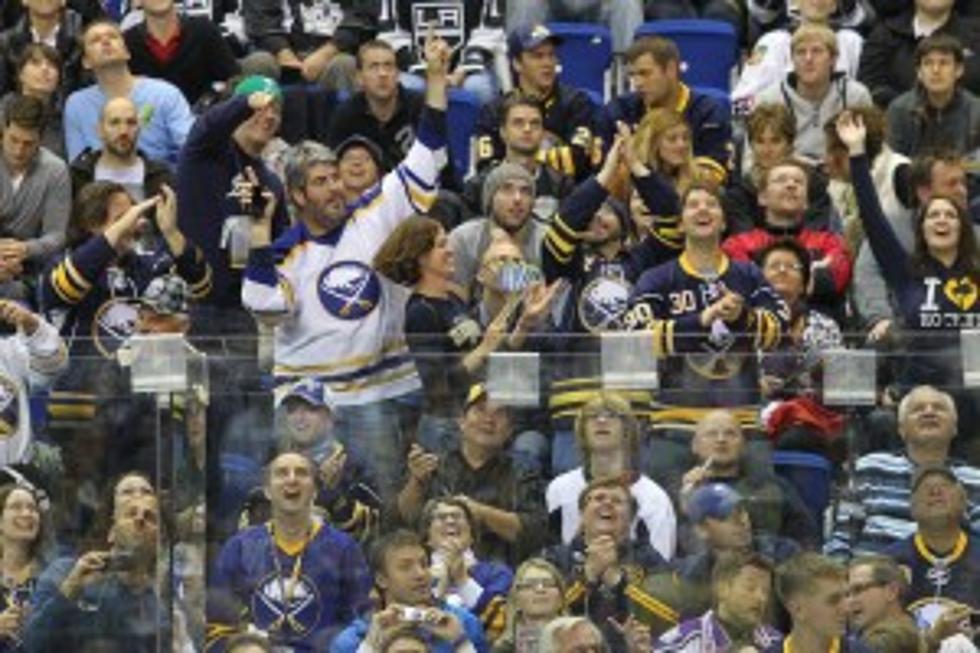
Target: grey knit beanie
[{"x": 503, "y": 172}]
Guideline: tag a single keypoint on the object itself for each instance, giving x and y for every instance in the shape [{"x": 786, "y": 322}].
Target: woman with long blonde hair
[
  {"x": 662, "y": 165},
  {"x": 662, "y": 142}
]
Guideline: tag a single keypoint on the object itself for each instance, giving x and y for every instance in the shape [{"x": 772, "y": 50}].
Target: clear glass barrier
[{"x": 201, "y": 419}]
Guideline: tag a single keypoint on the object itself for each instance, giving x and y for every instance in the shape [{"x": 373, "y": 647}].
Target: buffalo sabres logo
[
  {"x": 282, "y": 605},
  {"x": 601, "y": 303},
  {"x": 349, "y": 290},
  {"x": 716, "y": 362},
  {"x": 9, "y": 409},
  {"x": 114, "y": 322},
  {"x": 927, "y": 610}
]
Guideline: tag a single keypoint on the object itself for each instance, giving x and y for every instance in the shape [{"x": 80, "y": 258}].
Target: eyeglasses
[
  {"x": 537, "y": 584},
  {"x": 784, "y": 267},
  {"x": 604, "y": 413},
  {"x": 861, "y": 588}
]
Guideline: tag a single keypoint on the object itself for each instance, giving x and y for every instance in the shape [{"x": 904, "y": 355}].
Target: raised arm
[
  {"x": 563, "y": 239},
  {"x": 410, "y": 188},
  {"x": 886, "y": 246}
]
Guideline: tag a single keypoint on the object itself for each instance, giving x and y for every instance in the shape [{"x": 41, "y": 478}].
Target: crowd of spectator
[{"x": 547, "y": 404}]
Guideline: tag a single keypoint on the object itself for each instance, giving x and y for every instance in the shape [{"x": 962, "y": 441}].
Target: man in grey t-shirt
[{"x": 35, "y": 197}]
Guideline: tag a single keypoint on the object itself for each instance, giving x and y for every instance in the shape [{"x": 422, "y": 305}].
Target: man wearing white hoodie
[{"x": 813, "y": 91}]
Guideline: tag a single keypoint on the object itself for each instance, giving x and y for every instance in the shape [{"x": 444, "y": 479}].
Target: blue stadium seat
[
  {"x": 810, "y": 474},
  {"x": 585, "y": 54},
  {"x": 709, "y": 48},
  {"x": 464, "y": 109},
  {"x": 722, "y": 96},
  {"x": 239, "y": 474}
]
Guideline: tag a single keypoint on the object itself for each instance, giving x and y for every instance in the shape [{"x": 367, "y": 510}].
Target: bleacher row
[{"x": 709, "y": 49}]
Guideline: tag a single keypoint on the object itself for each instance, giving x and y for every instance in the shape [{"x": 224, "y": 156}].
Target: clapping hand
[
  {"x": 537, "y": 299},
  {"x": 421, "y": 464}
]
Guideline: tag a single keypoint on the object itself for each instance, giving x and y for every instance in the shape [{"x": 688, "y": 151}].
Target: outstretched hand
[
  {"x": 851, "y": 130},
  {"x": 437, "y": 55}
]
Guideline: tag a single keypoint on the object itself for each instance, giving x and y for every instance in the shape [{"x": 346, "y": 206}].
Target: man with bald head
[
  {"x": 119, "y": 160},
  {"x": 721, "y": 454},
  {"x": 927, "y": 424}
]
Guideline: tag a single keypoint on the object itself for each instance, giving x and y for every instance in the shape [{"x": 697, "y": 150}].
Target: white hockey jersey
[
  {"x": 341, "y": 321},
  {"x": 27, "y": 363}
]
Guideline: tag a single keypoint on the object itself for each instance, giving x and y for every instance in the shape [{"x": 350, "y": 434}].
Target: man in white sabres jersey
[{"x": 335, "y": 318}]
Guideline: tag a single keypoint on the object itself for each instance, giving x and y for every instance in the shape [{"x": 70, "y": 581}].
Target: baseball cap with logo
[
  {"x": 528, "y": 37},
  {"x": 478, "y": 392},
  {"x": 715, "y": 500},
  {"x": 314, "y": 392},
  {"x": 166, "y": 295}
]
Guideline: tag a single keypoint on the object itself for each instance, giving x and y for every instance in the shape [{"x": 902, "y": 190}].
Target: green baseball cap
[{"x": 259, "y": 84}]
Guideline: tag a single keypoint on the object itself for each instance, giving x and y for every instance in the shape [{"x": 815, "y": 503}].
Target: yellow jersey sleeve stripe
[
  {"x": 63, "y": 287},
  {"x": 559, "y": 256},
  {"x": 77, "y": 278}
]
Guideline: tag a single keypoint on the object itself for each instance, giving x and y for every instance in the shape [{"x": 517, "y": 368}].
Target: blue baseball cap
[
  {"x": 715, "y": 500},
  {"x": 314, "y": 392},
  {"x": 528, "y": 37}
]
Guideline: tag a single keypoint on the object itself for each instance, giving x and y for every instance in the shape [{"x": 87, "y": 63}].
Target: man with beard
[
  {"x": 297, "y": 577},
  {"x": 111, "y": 596},
  {"x": 164, "y": 113},
  {"x": 119, "y": 160},
  {"x": 333, "y": 316},
  {"x": 508, "y": 196},
  {"x": 741, "y": 584}
]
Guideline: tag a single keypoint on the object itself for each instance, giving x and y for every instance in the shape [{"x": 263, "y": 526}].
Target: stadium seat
[
  {"x": 709, "y": 49},
  {"x": 464, "y": 109},
  {"x": 306, "y": 112},
  {"x": 810, "y": 474},
  {"x": 239, "y": 475},
  {"x": 585, "y": 54},
  {"x": 722, "y": 96}
]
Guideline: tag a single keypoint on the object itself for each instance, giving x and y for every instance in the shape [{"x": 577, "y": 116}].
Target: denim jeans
[{"x": 373, "y": 435}]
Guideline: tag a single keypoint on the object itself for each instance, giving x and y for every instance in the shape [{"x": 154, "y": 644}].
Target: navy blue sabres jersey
[
  {"x": 92, "y": 294},
  {"x": 301, "y": 596},
  {"x": 938, "y": 581},
  {"x": 713, "y": 365},
  {"x": 598, "y": 294}
]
